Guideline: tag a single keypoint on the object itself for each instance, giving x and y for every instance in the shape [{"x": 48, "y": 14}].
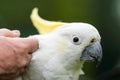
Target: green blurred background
[{"x": 103, "y": 14}]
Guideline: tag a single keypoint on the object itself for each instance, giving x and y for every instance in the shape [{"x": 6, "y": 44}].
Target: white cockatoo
[{"x": 63, "y": 48}]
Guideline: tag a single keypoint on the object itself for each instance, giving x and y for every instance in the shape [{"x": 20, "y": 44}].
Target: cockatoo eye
[{"x": 76, "y": 40}]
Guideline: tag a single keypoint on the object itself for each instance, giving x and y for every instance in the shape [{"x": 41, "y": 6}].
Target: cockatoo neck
[{"x": 71, "y": 61}]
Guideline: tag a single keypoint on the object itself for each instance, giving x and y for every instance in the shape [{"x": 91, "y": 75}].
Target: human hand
[{"x": 15, "y": 55}]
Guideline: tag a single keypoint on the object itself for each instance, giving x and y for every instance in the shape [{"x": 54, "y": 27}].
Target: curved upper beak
[{"x": 92, "y": 52}]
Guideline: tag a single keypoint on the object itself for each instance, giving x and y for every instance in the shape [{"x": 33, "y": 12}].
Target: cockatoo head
[
  {"x": 81, "y": 39},
  {"x": 72, "y": 43},
  {"x": 81, "y": 35}
]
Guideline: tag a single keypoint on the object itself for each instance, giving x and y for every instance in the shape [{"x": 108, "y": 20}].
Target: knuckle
[
  {"x": 22, "y": 64},
  {"x": 22, "y": 49}
]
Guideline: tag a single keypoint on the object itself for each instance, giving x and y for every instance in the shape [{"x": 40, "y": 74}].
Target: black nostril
[{"x": 92, "y": 41}]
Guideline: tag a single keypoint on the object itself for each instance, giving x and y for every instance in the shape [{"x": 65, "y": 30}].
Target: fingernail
[{"x": 17, "y": 32}]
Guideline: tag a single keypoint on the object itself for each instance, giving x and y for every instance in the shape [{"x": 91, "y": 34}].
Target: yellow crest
[{"x": 43, "y": 26}]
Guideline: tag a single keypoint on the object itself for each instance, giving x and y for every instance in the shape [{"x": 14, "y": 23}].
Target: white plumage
[{"x": 58, "y": 56}]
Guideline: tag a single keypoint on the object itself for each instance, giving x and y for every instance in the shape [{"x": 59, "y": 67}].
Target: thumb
[{"x": 32, "y": 43}]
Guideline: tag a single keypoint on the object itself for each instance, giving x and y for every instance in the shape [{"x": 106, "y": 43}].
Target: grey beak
[{"x": 92, "y": 52}]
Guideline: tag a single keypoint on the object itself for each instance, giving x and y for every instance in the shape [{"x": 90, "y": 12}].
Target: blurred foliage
[{"x": 104, "y": 14}]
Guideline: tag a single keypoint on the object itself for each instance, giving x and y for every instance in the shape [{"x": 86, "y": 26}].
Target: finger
[
  {"x": 9, "y": 33},
  {"x": 32, "y": 43}
]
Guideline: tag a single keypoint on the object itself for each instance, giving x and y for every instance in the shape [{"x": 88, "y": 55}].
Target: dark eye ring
[{"x": 75, "y": 39}]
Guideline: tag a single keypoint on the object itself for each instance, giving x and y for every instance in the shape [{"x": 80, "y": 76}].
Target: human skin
[{"x": 15, "y": 53}]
